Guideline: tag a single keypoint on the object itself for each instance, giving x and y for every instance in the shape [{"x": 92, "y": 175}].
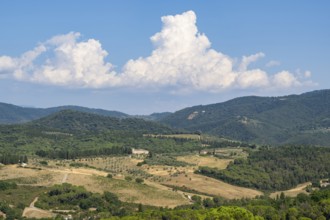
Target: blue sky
[{"x": 150, "y": 56}]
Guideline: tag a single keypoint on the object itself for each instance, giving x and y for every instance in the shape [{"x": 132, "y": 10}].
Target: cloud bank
[{"x": 182, "y": 59}]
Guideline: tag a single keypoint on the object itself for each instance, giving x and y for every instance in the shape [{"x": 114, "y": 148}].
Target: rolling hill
[
  {"x": 69, "y": 134},
  {"x": 294, "y": 119},
  {"x": 72, "y": 121},
  {"x": 13, "y": 114}
]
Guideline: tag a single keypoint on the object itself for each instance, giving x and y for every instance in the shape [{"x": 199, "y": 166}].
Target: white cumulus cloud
[
  {"x": 246, "y": 60},
  {"x": 69, "y": 63},
  {"x": 7, "y": 64},
  {"x": 253, "y": 78},
  {"x": 182, "y": 59},
  {"x": 285, "y": 79},
  {"x": 76, "y": 63}
]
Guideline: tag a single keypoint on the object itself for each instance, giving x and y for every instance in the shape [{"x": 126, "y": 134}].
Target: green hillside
[
  {"x": 70, "y": 134},
  {"x": 295, "y": 119},
  {"x": 76, "y": 121}
]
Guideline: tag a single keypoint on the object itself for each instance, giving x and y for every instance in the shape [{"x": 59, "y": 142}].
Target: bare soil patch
[
  {"x": 33, "y": 212},
  {"x": 37, "y": 213}
]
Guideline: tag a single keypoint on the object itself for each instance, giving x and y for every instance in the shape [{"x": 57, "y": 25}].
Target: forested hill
[
  {"x": 13, "y": 114},
  {"x": 297, "y": 119},
  {"x": 70, "y": 134},
  {"x": 75, "y": 121}
]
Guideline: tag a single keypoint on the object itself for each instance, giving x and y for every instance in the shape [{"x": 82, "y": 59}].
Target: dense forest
[
  {"x": 294, "y": 119},
  {"x": 276, "y": 168},
  {"x": 11, "y": 158}
]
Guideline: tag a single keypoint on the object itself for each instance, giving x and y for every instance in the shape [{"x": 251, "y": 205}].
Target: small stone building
[{"x": 139, "y": 152}]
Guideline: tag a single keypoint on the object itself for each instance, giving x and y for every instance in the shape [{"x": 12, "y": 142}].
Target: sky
[{"x": 147, "y": 56}]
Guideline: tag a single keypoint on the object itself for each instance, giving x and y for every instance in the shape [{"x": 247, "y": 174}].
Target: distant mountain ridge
[
  {"x": 293, "y": 119},
  {"x": 298, "y": 119},
  {"x": 10, "y": 114},
  {"x": 13, "y": 114},
  {"x": 73, "y": 121}
]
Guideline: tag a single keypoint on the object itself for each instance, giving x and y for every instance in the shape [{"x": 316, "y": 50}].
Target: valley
[
  {"x": 159, "y": 188},
  {"x": 162, "y": 186}
]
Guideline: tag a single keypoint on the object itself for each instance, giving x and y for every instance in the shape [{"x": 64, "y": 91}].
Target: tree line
[
  {"x": 7, "y": 158},
  {"x": 75, "y": 153}
]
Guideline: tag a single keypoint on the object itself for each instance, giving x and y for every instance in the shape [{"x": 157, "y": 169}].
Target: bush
[
  {"x": 111, "y": 198},
  {"x": 139, "y": 180},
  {"x": 4, "y": 185},
  {"x": 77, "y": 165},
  {"x": 139, "y": 164}
]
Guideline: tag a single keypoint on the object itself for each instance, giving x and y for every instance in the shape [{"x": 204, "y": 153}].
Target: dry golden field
[
  {"x": 95, "y": 181},
  {"x": 158, "y": 180},
  {"x": 212, "y": 186},
  {"x": 213, "y": 162},
  {"x": 301, "y": 188},
  {"x": 184, "y": 176}
]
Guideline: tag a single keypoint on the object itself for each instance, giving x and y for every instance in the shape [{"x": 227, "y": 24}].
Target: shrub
[
  {"x": 139, "y": 164},
  {"x": 4, "y": 185},
  {"x": 139, "y": 180},
  {"x": 77, "y": 165}
]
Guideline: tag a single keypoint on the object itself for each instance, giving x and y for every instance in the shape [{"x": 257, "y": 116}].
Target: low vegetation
[
  {"x": 81, "y": 203},
  {"x": 15, "y": 198},
  {"x": 5, "y": 185},
  {"x": 303, "y": 207}
]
